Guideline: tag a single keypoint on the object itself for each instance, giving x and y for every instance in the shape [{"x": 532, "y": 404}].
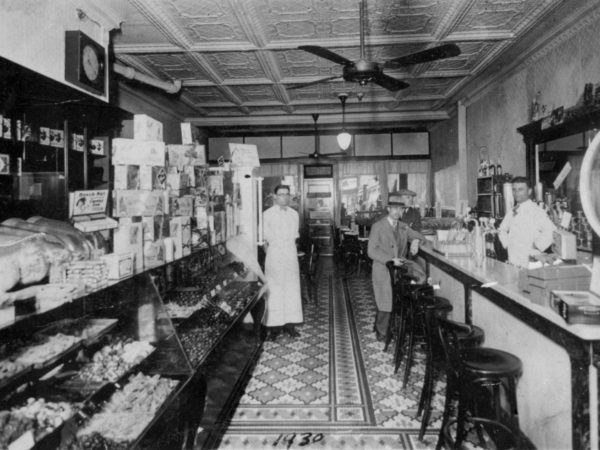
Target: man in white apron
[
  {"x": 281, "y": 229},
  {"x": 526, "y": 229}
]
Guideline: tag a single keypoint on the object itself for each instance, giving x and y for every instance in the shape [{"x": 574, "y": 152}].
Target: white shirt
[{"x": 526, "y": 232}]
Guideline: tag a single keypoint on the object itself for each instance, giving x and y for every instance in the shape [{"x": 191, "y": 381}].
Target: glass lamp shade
[{"x": 344, "y": 139}]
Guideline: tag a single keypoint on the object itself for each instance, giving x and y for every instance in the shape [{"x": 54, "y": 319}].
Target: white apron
[{"x": 284, "y": 304}]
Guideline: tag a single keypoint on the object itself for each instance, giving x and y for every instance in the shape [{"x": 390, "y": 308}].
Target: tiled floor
[{"x": 333, "y": 387}]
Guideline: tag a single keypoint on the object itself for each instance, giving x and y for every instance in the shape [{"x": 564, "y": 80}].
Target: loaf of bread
[{"x": 26, "y": 259}]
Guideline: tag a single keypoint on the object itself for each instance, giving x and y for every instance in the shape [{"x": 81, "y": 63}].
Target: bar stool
[
  {"x": 351, "y": 253},
  {"x": 466, "y": 339},
  {"x": 304, "y": 274},
  {"x": 307, "y": 263},
  {"x": 401, "y": 288},
  {"x": 476, "y": 376},
  {"x": 501, "y": 435}
]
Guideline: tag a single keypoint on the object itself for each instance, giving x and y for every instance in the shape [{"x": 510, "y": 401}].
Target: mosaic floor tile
[{"x": 333, "y": 387}]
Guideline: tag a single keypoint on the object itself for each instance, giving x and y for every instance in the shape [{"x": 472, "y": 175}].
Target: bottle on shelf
[
  {"x": 484, "y": 168},
  {"x": 477, "y": 243},
  {"x": 498, "y": 168},
  {"x": 535, "y": 107},
  {"x": 492, "y": 168}
]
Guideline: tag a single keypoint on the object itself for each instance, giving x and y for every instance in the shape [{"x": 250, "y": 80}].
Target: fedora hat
[
  {"x": 405, "y": 192},
  {"x": 395, "y": 200}
]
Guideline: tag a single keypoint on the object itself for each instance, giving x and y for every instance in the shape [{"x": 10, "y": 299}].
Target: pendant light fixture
[{"x": 344, "y": 138}]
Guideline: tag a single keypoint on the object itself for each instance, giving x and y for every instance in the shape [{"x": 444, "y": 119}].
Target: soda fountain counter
[{"x": 557, "y": 393}]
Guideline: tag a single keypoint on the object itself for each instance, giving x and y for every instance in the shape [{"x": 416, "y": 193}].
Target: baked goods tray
[
  {"x": 76, "y": 382},
  {"x": 43, "y": 431},
  {"x": 45, "y": 364},
  {"x": 8, "y": 382},
  {"x": 95, "y": 405},
  {"x": 90, "y": 330}
]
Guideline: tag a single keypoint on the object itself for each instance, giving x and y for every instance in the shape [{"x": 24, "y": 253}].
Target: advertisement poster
[
  {"x": 89, "y": 202},
  {"x": 244, "y": 155}
]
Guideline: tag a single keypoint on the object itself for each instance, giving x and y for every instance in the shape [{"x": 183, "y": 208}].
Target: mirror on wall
[
  {"x": 554, "y": 156},
  {"x": 559, "y": 166}
]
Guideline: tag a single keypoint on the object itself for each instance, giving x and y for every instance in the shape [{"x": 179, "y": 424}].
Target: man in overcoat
[
  {"x": 410, "y": 215},
  {"x": 391, "y": 239}
]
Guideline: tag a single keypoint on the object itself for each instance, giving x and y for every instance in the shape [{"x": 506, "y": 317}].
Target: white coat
[
  {"x": 525, "y": 232},
  {"x": 284, "y": 304}
]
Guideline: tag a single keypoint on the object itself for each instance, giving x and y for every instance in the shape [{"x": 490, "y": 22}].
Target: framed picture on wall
[
  {"x": 4, "y": 164},
  {"x": 369, "y": 193}
]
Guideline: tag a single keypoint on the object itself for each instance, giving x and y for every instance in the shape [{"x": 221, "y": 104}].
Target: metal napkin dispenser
[{"x": 564, "y": 244}]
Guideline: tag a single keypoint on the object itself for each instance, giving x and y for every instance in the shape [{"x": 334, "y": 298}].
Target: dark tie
[{"x": 397, "y": 230}]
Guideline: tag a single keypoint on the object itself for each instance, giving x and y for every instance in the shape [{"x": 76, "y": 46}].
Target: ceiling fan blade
[
  {"x": 327, "y": 54},
  {"x": 310, "y": 83},
  {"x": 431, "y": 54},
  {"x": 391, "y": 84}
]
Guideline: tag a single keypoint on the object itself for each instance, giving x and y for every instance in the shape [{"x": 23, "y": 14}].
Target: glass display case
[{"x": 132, "y": 365}]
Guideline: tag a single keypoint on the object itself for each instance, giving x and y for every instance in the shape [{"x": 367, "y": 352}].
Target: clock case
[{"x": 75, "y": 42}]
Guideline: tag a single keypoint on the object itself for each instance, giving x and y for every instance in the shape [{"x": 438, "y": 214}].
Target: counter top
[{"x": 506, "y": 277}]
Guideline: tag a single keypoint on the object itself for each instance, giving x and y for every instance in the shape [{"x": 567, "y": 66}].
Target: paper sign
[
  {"x": 461, "y": 208},
  {"x": 244, "y": 155},
  {"x": 562, "y": 175},
  {"x": 186, "y": 155},
  {"x": 565, "y": 220},
  {"x": 97, "y": 147},
  {"x": 89, "y": 202},
  {"x": 186, "y": 133}
]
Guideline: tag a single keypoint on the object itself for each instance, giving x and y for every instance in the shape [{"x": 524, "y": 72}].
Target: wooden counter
[{"x": 557, "y": 393}]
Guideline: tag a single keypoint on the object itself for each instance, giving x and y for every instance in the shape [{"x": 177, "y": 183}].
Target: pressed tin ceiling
[{"x": 237, "y": 59}]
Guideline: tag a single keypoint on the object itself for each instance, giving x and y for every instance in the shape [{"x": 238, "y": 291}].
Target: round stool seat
[
  {"x": 472, "y": 339},
  {"x": 490, "y": 362},
  {"x": 439, "y": 305}
]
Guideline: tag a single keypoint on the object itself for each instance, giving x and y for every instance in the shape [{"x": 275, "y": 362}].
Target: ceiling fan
[
  {"x": 363, "y": 71},
  {"x": 316, "y": 155}
]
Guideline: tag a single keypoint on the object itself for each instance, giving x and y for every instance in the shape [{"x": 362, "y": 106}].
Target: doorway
[{"x": 319, "y": 212}]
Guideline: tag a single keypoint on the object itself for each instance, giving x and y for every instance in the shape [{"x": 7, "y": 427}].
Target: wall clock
[{"x": 85, "y": 62}]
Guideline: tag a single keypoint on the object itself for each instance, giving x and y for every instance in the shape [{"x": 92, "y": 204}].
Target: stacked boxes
[
  {"x": 88, "y": 275},
  {"x": 145, "y": 128},
  {"x": 119, "y": 265},
  {"x": 539, "y": 283},
  {"x": 141, "y": 200},
  {"x": 128, "y": 238},
  {"x": 187, "y": 193},
  {"x": 134, "y": 152},
  {"x": 158, "y": 190}
]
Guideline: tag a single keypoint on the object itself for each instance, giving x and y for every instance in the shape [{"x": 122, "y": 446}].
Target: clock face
[
  {"x": 85, "y": 62},
  {"x": 91, "y": 63}
]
